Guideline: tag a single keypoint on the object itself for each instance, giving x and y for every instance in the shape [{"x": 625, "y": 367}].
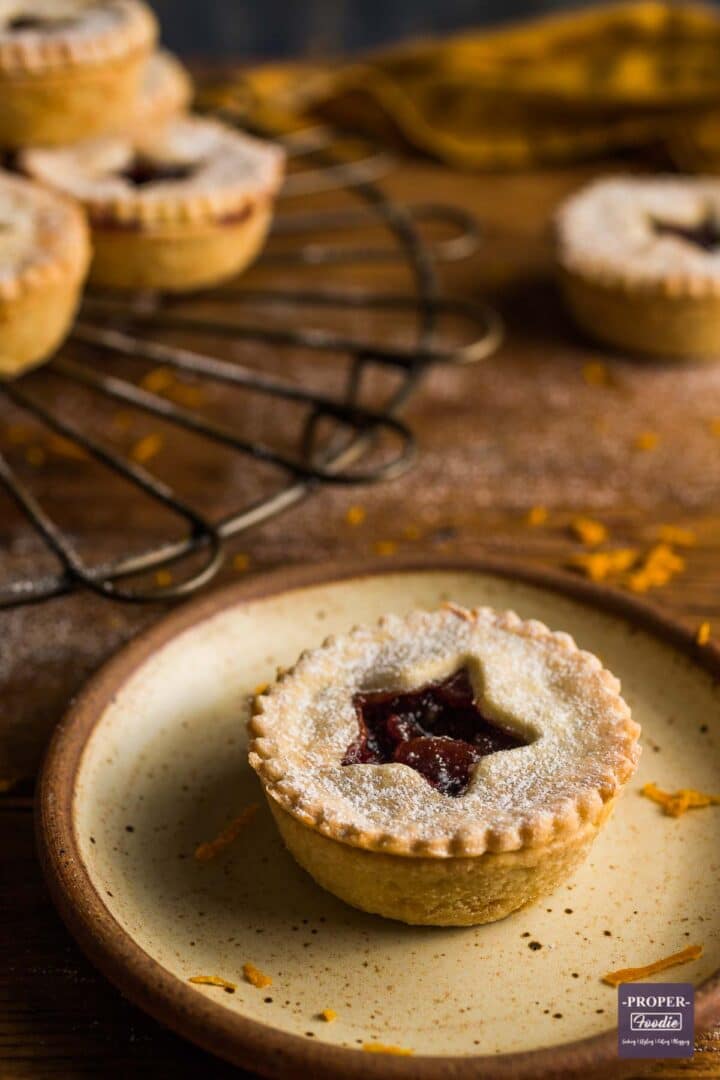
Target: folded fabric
[{"x": 554, "y": 89}]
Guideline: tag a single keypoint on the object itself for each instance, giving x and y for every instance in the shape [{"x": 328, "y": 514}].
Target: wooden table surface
[{"x": 524, "y": 428}]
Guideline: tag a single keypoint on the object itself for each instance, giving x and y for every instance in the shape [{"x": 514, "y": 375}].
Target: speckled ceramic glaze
[{"x": 152, "y": 761}]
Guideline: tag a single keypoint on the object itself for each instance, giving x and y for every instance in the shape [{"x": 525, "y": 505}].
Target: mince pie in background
[
  {"x": 640, "y": 263},
  {"x": 178, "y": 206},
  {"x": 446, "y": 768},
  {"x": 70, "y": 69},
  {"x": 44, "y": 256}
]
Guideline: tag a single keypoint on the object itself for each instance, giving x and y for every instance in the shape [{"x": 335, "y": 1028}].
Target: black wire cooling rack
[{"x": 339, "y": 433}]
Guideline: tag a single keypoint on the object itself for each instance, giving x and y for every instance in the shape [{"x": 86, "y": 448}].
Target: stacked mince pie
[{"x": 107, "y": 175}]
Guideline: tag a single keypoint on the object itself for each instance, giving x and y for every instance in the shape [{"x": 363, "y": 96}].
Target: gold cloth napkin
[{"x": 553, "y": 89}]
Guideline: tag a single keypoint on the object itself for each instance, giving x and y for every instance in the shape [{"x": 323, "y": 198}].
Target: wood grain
[{"x": 524, "y": 428}]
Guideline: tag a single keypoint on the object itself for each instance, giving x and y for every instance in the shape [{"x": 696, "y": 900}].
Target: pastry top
[
  {"x": 165, "y": 89},
  {"x": 39, "y": 35},
  {"x": 42, "y": 236},
  {"x": 581, "y": 739},
  {"x": 188, "y": 169},
  {"x": 644, "y": 231}
]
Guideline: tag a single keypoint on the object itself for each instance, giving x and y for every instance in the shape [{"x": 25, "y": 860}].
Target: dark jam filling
[
  {"x": 705, "y": 234},
  {"x": 142, "y": 171},
  {"x": 438, "y": 730},
  {"x": 22, "y": 23}
]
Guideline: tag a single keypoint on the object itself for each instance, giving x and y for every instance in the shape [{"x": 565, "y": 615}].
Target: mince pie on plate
[
  {"x": 44, "y": 256},
  {"x": 70, "y": 69},
  {"x": 445, "y": 768},
  {"x": 640, "y": 263},
  {"x": 174, "y": 206}
]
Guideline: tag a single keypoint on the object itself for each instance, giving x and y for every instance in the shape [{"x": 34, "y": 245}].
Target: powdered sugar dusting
[
  {"x": 226, "y": 167},
  {"x": 38, "y": 232},
  {"x": 533, "y": 682},
  {"x": 607, "y": 230}
]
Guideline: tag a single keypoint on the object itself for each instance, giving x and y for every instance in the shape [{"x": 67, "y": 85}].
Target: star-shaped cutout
[
  {"x": 438, "y": 730},
  {"x": 704, "y": 234}
]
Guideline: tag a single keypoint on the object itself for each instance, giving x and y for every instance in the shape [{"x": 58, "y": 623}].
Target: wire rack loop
[{"x": 126, "y": 329}]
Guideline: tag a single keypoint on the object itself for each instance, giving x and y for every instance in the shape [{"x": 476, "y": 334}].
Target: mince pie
[
  {"x": 70, "y": 69},
  {"x": 640, "y": 263},
  {"x": 445, "y": 768},
  {"x": 178, "y": 206},
  {"x": 44, "y": 256}
]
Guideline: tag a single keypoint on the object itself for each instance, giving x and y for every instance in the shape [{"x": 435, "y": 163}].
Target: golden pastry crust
[
  {"x": 166, "y": 90},
  {"x": 70, "y": 69},
  {"x": 427, "y": 891},
  {"x": 379, "y": 835},
  {"x": 44, "y": 256},
  {"x": 178, "y": 206},
  {"x": 640, "y": 263},
  {"x": 38, "y": 35},
  {"x": 178, "y": 258}
]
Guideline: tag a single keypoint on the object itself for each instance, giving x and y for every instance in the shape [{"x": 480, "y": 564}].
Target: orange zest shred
[
  {"x": 659, "y": 565},
  {"x": 646, "y": 440},
  {"x": 163, "y": 578},
  {"x": 214, "y": 980},
  {"x": 241, "y": 562},
  {"x": 63, "y": 447},
  {"x": 703, "y": 634},
  {"x": 163, "y": 381},
  {"x": 676, "y": 803},
  {"x": 385, "y": 1048},
  {"x": 182, "y": 393},
  {"x": 614, "y": 978},
  {"x": 147, "y": 448},
  {"x": 256, "y": 977},
  {"x": 596, "y": 374},
  {"x": 385, "y": 547},
  {"x": 588, "y": 531},
  {"x": 355, "y": 515},
  {"x": 459, "y": 610},
  {"x": 599, "y": 565},
  {"x": 207, "y": 851},
  {"x": 328, "y": 1015},
  {"x": 536, "y": 515},
  {"x": 677, "y": 535},
  {"x": 158, "y": 380}
]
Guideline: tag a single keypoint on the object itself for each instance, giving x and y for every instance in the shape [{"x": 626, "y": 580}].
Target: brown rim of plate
[{"x": 249, "y": 1043}]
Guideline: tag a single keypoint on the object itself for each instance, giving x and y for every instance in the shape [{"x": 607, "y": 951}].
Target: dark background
[{"x": 277, "y": 28}]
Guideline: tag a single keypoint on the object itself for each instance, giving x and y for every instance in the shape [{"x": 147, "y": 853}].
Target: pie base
[
  {"x": 181, "y": 257},
  {"x": 51, "y": 108},
  {"x": 432, "y": 891},
  {"x": 648, "y": 319},
  {"x": 33, "y": 324}
]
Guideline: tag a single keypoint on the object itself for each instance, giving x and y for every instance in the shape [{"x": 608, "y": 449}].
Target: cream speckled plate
[{"x": 150, "y": 761}]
